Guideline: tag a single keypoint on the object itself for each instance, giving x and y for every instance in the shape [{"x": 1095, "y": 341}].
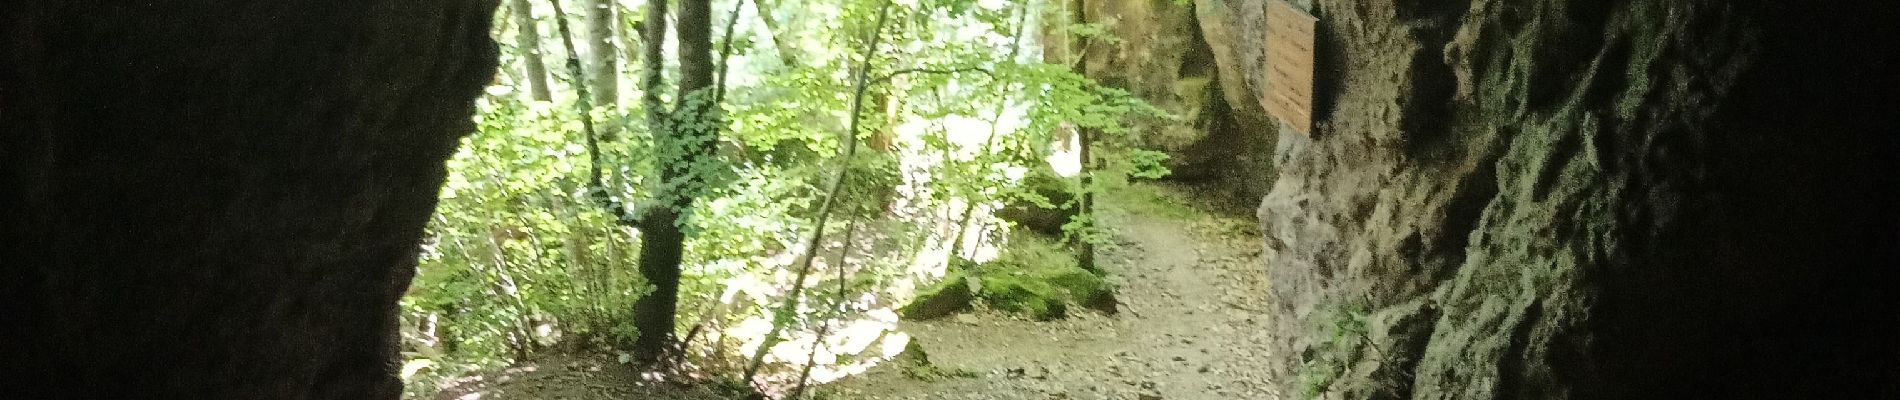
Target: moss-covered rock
[
  {"x": 1034, "y": 277},
  {"x": 1047, "y": 204},
  {"x": 1082, "y": 288},
  {"x": 1038, "y": 278},
  {"x": 949, "y": 296},
  {"x": 915, "y": 364},
  {"x": 1026, "y": 295}
]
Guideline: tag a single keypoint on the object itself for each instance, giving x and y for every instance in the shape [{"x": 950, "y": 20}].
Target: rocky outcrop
[
  {"x": 221, "y": 200},
  {"x": 1582, "y": 199},
  {"x": 1182, "y": 57}
]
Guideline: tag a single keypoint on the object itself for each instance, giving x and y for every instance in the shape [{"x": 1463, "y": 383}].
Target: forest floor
[
  {"x": 1192, "y": 294},
  {"x": 1190, "y": 327}
]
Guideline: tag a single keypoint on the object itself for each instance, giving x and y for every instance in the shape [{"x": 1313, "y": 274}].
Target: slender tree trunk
[
  {"x": 725, "y": 53},
  {"x": 528, "y": 40},
  {"x": 653, "y": 66},
  {"x": 1084, "y": 144},
  {"x": 831, "y": 195},
  {"x": 603, "y": 71},
  {"x": 652, "y": 315},
  {"x": 989, "y": 142},
  {"x": 883, "y": 140},
  {"x": 695, "y": 47},
  {"x": 840, "y": 302},
  {"x": 781, "y": 39},
  {"x": 583, "y": 105},
  {"x": 1085, "y": 203}
]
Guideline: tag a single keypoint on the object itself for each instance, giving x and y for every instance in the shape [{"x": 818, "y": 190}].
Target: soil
[{"x": 572, "y": 377}]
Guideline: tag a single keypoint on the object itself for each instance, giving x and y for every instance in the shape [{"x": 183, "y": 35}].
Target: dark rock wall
[
  {"x": 217, "y": 199},
  {"x": 1584, "y": 199}
]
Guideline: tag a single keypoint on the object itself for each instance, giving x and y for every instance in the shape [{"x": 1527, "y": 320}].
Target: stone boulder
[{"x": 947, "y": 297}]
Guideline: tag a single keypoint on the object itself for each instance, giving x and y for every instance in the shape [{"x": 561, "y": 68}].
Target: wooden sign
[{"x": 1289, "y": 80}]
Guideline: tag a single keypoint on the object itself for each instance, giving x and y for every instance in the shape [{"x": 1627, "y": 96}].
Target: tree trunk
[
  {"x": 781, "y": 39},
  {"x": 689, "y": 136},
  {"x": 603, "y": 72},
  {"x": 1085, "y": 157},
  {"x": 696, "y": 55},
  {"x": 653, "y": 313},
  {"x": 528, "y": 40},
  {"x": 1579, "y": 199},
  {"x": 207, "y": 200},
  {"x": 1085, "y": 201}
]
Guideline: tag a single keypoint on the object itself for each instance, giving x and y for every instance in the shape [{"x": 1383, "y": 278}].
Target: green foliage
[
  {"x": 1342, "y": 331},
  {"x": 517, "y": 258},
  {"x": 521, "y": 256}
]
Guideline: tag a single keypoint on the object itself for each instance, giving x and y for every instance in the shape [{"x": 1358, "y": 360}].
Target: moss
[
  {"x": 1037, "y": 278},
  {"x": 949, "y": 296},
  {"x": 1082, "y": 288},
  {"x": 1033, "y": 252},
  {"x": 915, "y": 364},
  {"x": 1034, "y": 277},
  {"x": 1152, "y": 200},
  {"x": 1045, "y": 204},
  {"x": 1024, "y": 295}
]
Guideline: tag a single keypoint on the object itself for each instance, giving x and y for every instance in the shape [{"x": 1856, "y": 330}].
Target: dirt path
[{"x": 1192, "y": 291}]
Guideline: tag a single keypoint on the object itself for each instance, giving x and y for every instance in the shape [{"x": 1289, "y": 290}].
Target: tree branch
[
  {"x": 725, "y": 53},
  {"x": 969, "y": 207},
  {"x": 894, "y": 74},
  {"x": 597, "y": 188}
]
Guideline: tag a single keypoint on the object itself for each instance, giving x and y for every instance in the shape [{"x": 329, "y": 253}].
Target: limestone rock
[
  {"x": 1577, "y": 199},
  {"x": 1183, "y": 58}
]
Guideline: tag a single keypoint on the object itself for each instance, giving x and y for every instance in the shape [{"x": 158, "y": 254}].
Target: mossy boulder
[
  {"x": 1047, "y": 203},
  {"x": 1034, "y": 277},
  {"x": 1082, "y": 288},
  {"x": 949, "y": 296},
  {"x": 1044, "y": 292},
  {"x": 1038, "y": 278},
  {"x": 1025, "y": 295}
]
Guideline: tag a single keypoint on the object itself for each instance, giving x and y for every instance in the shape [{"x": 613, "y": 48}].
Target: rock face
[
  {"x": 221, "y": 200},
  {"x": 1183, "y": 58},
  {"x": 1584, "y": 199}
]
